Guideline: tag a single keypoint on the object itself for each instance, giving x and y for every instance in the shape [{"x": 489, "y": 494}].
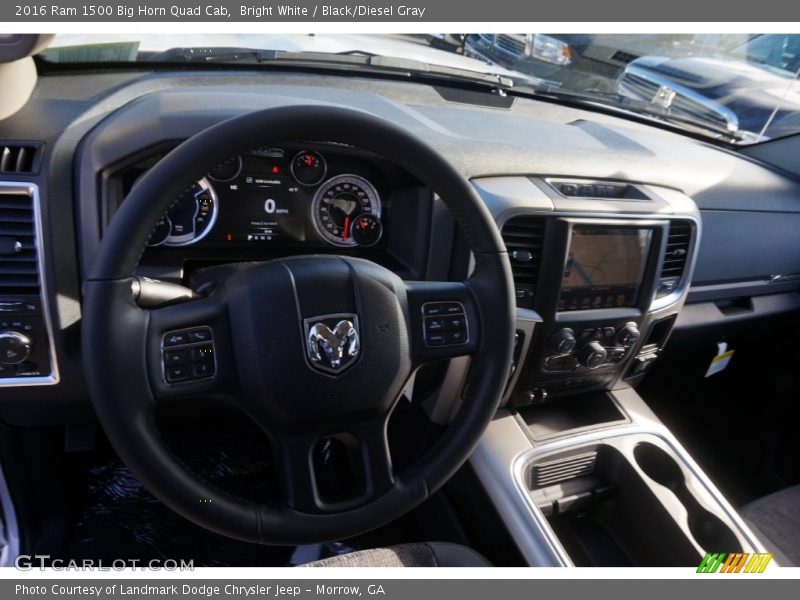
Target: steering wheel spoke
[
  {"x": 189, "y": 349},
  {"x": 374, "y": 446},
  {"x": 294, "y": 455},
  {"x": 444, "y": 320}
]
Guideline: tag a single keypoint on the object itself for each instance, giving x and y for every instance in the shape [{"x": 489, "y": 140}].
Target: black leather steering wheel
[{"x": 259, "y": 320}]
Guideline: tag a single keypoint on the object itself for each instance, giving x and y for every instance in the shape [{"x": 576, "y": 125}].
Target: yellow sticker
[
  {"x": 720, "y": 362},
  {"x": 724, "y": 356}
]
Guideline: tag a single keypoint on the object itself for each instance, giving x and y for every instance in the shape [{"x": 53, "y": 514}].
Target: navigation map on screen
[{"x": 604, "y": 267}]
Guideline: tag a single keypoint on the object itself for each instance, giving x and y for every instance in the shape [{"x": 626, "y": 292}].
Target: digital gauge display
[
  {"x": 264, "y": 205},
  {"x": 276, "y": 196}
]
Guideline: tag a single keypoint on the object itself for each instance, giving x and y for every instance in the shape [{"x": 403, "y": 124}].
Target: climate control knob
[
  {"x": 563, "y": 341},
  {"x": 628, "y": 335},
  {"x": 592, "y": 355},
  {"x": 15, "y": 347}
]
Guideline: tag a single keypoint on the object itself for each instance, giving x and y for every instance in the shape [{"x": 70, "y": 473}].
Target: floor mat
[
  {"x": 120, "y": 519},
  {"x": 123, "y": 520}
]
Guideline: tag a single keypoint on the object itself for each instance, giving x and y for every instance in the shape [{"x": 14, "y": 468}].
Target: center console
[
  {"x": 604, "y": 277},
  {"x": 578, "y": 467},
  {"x": 604, "y": 485},
  {"x": 595, "y": 286}
]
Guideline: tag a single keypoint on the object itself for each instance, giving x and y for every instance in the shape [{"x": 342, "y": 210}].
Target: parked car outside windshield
[{"x": 752, "y": 90}]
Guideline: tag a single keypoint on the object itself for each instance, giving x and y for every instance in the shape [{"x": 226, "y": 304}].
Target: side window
[
  {"x": 792, "y": 53},
  {"x": 780, "y": 51},
  {"x": 766, "y": 50}
]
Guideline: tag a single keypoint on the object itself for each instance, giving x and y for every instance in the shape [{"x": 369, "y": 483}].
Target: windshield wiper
[
  {"x": 628, "y": 105},
  {"x": 354, "y": 60}
]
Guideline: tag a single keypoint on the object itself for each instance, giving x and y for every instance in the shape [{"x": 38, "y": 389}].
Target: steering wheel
[{"x": 374, "y": 330}]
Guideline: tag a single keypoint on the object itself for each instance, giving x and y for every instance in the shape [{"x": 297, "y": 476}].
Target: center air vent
[
  {"x": 678, "y": 240},
  {"x": 18, "y": 270},
  {"x": 18, "y": 158},
  {"x": 524, "y": 238}
]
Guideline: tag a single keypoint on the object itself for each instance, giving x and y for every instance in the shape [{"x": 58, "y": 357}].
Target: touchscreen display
[{"x": 604, "y": 267}]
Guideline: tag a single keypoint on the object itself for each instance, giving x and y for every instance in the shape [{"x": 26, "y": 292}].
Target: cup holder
[{"x": 708, "y": 530}]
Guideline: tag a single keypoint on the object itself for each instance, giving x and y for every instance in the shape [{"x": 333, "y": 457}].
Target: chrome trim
[
  {"x": 702, "y": 102},
  {"x": 315, "y": 202},
  {"x": 681, "y": 290},
  {"x": 347, "y": 340},
  {"x": 526, "y": 321},
  {"x": 554, "y": 183},
  {"x": 33, "y": 191},
  {"x": 9, "y": 520},
  {"x": 493, "y": 461},
  {"x": 320, "y": 368},
  {"x": 179, "y": 241}
]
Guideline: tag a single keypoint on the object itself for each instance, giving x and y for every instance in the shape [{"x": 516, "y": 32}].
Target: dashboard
[{"x": 618, "y": 232}]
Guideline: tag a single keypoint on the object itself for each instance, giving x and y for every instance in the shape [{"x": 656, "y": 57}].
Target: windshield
[{"x": 737, "y": 88}]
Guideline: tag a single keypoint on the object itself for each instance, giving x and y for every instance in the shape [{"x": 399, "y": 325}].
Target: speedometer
[
  {"x": 337, "y": 204},
  {"x": 189, "y": 219}
]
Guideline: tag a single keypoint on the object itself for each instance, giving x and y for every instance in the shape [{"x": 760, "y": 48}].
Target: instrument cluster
[{"x": 278, "y": 196}]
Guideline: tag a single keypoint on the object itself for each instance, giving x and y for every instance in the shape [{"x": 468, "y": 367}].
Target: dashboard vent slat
[
  {"x": 524, "y": 238},
  {"x": 15, "y": 216},
  {"x": 18, "y": 158},
  {"x": 19, "y": 273}
]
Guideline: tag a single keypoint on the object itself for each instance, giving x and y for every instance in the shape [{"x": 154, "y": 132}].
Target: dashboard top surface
[{"x": 530, "y": 137}]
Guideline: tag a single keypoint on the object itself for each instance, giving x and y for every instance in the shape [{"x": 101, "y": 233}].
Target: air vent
[
  {"x": 524, "y": 238},
  {"x": 19, "y": 274},
  {"x": 678, "y": 241},
  {"x": 18, "y": 158},
  {"x": 562, "y": 469}
]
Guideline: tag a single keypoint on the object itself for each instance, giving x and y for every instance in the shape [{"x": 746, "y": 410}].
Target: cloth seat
[
  {"x": 428, "y": 554},
  {"x": 775, "y": 519}
]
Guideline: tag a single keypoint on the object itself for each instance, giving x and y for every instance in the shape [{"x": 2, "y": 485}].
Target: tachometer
[
  {"x": 337, "y": 204},
  {"x": 190, "y": 219}
]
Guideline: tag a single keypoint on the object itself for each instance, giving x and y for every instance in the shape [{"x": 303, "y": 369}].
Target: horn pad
[{"x": 319, "y": 338}]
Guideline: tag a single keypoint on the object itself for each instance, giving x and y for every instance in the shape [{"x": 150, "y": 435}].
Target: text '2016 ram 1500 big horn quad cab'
[{"x": 362, "y": 301}]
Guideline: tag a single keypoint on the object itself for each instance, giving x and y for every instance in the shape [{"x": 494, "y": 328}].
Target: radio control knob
[
  {"x": 628, "y": 335},
  {"x": 563, "y": 341},
  {"x": 15, "y": 347},
  {"x": 592, "y": 355}
]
